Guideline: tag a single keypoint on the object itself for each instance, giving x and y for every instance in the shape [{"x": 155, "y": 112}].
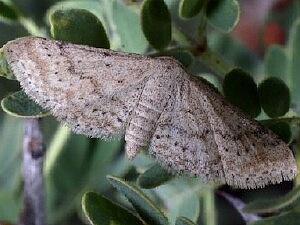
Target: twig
[{"x": 33, "y": 159}]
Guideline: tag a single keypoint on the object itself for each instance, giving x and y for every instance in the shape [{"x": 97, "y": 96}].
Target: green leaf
[
  {"x": 62, "y": 190},
  {"x": 10, "y": 207},
  {"x": 100, "y": 162},
  {"x": 11, "y": 130},
  {"x": 184, "y": 221},
  {"x": 294, "y": 61},
  {"x": 156, "y": 23},
  {"x": 101, "y": 211},
  {"x": 276, "y": 62},
  {"x": 241, "y": 90},
  {"x": 274, "y": 97},
  {"x": 129, "y": 29},
  {"x": 282, "y": 129},
  {"x": 183, "y": 56},
  {"x": 223, "y": 14},
  {"x": 273, "y": 205},
  {"x": 8, "y": 11},
  {"x": 187, "y": 201},
  {"x": 18, "y": 104},
  {"x": 153, "y": 177},
  {"x": 190, "y": 8},
  {"x": 4, "y": 67},
  {"x": 91, "y": 158},
  {"x": 78, "y": 26},
  {"x": 95, "y": 7},
  {"x": 142, "y": 204},
  {"x": 290, "y": 218}
]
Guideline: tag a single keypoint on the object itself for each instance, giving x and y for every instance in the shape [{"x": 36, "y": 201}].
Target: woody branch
[{"x": 33, "y": 159}]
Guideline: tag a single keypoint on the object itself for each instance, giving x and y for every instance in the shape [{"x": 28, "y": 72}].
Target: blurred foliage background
[{"x": 264, "y": 44}]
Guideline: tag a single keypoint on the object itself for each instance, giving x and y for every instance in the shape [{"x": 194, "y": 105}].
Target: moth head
[
  {"x": 19, "y": 56},
  {"x": 16, "y": 49}
]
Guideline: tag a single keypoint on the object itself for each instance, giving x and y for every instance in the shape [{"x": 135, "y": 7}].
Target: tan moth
[{"x": 189, "y": 127}]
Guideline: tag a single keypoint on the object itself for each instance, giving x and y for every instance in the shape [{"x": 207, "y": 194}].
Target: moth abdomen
[
  {"x": 148, "y": 110},
  {"x": 140, "y": 129}
]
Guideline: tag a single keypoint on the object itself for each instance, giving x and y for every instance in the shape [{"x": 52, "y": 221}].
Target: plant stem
[
  {"x": 214, "y": 62},
  {"x": 201, "y": 50},
  {"x": 33, "y": 160},
  {"x": 209, "y": 216}
]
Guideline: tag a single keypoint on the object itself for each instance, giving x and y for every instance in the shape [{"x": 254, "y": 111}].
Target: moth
[{"x": 187, "y": 125}]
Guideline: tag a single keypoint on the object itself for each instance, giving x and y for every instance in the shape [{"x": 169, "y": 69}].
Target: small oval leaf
[
  {"x": 142, "y": 204},
  {"x": 223, "y": 14},
  {"x": 183, "y": 56},
  {"x": 273, "y": 205},
  {"x": 156, "y": 23},
  {"x": 190, "y": 8},
  {"x": 8, "y": 11},
  {"x": 78, "y": 26},
  {"x": 241, "y": 90},
  {"x": 4, "y": 67},
  {"x": 184, "y": 221},
  {"x": 100, "y": 211},
  {"x": 18, "y": 104},
  {"x": 153, "y": 177},
  {"x": 282, "y": 129},
  {"x": 289, "y": 218},
  {"x": 274, "y": 97}
]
